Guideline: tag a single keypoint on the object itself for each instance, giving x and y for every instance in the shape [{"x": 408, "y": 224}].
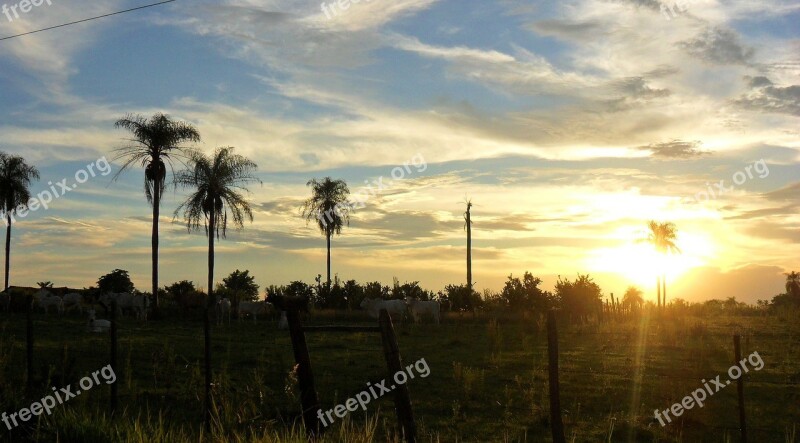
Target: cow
[
  {"x": 421, "y": 308},
  {"x": 73, "y": 300},
  {"x": 95, "y": 325},
  {"x": 223, "y": 311},
  {"x": 374, "y": 306},
  {"x": 283, "y": 323},
  {"x": 45, "y": 300},
  {"x": 252, "y": 308},
  {"x": 138, "y": 304}
]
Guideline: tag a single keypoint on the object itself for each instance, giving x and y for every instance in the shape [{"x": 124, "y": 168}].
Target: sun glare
[{"x": 640, "y": 264}]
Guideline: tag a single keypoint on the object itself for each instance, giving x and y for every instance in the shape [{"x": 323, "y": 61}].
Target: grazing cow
[
  {"x": 137, "y": 304},
  {"x": 420, "y": 308},
  {"x": 45, "y": 302},
  {"x": 73, "y": 300},
  {"x": 252, "y": 308},
  {"x": 374, "y": 306},
  {"x": 94, "y": 325},
  {"x": 223, "y": 310},
  {"x": 283, "y": 323}
]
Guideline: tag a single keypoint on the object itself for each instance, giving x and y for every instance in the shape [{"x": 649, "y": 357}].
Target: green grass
[{"x": 488, "y": 379}]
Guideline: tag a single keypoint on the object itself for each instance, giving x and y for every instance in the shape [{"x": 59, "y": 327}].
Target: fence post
[
  {"x": 402, "y": 399},
  {"x": 305, "y": 376},
  {"x": 740, "y": 387},
  {"x": 207, "y": 364},
  {"x": 29, "y": 341},
  {"x": 114, "y": 366},
  {"x": 556, "y": 425}
]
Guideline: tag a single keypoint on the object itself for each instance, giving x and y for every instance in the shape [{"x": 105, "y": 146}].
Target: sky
[{"x": 568, "y": 124}]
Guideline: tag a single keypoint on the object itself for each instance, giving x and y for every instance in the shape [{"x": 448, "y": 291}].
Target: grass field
[{"x": 488, "y": 379}]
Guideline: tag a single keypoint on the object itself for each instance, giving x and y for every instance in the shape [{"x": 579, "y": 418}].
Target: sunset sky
[{"x": 569, "y": 124}]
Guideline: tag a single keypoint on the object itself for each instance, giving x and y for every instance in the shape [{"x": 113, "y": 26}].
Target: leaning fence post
[
  {"x": 402, "y": 399},
  {"x": 556, "y": 425},
  {"x": 114, "y": 366},
  {"x": 29, "y": 340},
  {"x": 305, "y": 376},
  {"x": 740, "y": 387}
]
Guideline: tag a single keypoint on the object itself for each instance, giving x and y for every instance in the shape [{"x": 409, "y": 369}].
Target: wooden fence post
[
  {"x": 29, "y": 341},
  {"x": 740, "y": 387},
  {"x": 305, "y": 376},
  {"x": 556, "y": 425},
  {"x": 114, "y": 366},
  {"x": 402, "y": 399}
]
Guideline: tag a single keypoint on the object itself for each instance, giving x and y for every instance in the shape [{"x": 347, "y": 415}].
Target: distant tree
[
  {"x": 44, "y": 284},
  {"x": 412, "y": 289},
  {"x": 525, "y": 294},
  {"x": 216, "y": 183},
  {"x": 793, "y": 284},
  {"x": 462, "y": 299},
  {"x": 16, "y": 177},
  {"x": 180, "y": 289},
  {"x": 156, "y": 141},
  {"x": 354, "y": 294},
  {"x": 579, "y": 298},
  {"x": 241, "y": 286},
  {"x": 376, "y": 290},
  {"x": 662, "y": 236},
  {"x": 328, "y": 205},
  {"x": 633, "y": 298},
  {"x": 117, "y": 281},
  {"x": 298, "y": 289}
]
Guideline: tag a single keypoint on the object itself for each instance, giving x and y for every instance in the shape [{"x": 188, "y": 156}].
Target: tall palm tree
[
  {"x": 15, "y": 180},
  {"x": 156, "y": 142},
  {"x": 328, "y": 205},
  {"x": 662, "y": 236},
  {"x": 216, "y": 182}
]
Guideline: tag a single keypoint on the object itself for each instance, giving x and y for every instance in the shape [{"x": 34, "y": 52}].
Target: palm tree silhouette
[
  {"x": 662, "y": 236},
  {"x": 15, "y": 179},
  {"x": 155, "y": 143},
  {"x": 632, "y": 298},
  {"x": 216, "y": 182},
  {"x": 328, "y": 204}
]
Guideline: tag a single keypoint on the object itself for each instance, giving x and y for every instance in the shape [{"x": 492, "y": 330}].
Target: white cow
[
  {"x": 420, "y": 308},
  {"x": 94, "y": 325},
  {"x": 73, "y": 300},
  {"x": 223, "y": 310},
  {"x": 138, "y": 304},
  {"x": 46, "y": 301},
  {"x": 374, "y": 306},
  {"x": 252, "y": 308}
]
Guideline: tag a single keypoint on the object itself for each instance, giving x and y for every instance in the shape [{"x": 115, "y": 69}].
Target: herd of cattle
[{"x": 63, "y": 300}]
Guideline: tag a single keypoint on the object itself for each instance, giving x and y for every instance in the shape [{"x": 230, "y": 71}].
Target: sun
[{"x": 640, "y": 264}]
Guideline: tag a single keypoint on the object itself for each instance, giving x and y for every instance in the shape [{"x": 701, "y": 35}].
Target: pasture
[{"x": 488, "y": 378}]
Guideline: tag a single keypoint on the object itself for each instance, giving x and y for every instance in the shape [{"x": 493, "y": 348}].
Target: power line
[{"x": 88, "y": 19}]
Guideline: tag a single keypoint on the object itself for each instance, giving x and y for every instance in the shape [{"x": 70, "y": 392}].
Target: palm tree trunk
[
  {"x": 8, "y": 246},
  {"x": 664, "y": 288},
  {"x": 469, "y": 253},
  {"x": 207, "y": 322},
  {"x": 658, "y": 289},
  {"x": 329, "y": 259},
  {"x": 156, "y": 211}
]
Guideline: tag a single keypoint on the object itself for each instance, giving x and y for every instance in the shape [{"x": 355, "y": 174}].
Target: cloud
[
  {"x": 764, "y": 96},
  {"x": 719, "y": 46},
  {"x": 675, "y": 149}
]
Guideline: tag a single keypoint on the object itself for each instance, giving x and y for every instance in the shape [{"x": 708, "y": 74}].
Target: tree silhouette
[
  {"x": 328, "y": 205},
  {"x": 155, "y": 143},
  {"x": 662, "y": 236},
  {"x": 216, "y": 182},
  {"x": 468, "y": 227},
  {"x": 15, "y": 180},
  {"x": 793, "y": 284},
  {"x": 633, "y": 298}
]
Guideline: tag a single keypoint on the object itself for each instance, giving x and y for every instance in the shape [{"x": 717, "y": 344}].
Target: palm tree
[
  {"x": 216, "y": 182},
  {"x": 633, "y": 298},
  {"x": 328, "y": 205},
  {"x": 662, "y": 236},
  {"x": 15, "y": 179},
  {"x": 793, "y": 284},
  {"x": 155, "y": 143}
]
